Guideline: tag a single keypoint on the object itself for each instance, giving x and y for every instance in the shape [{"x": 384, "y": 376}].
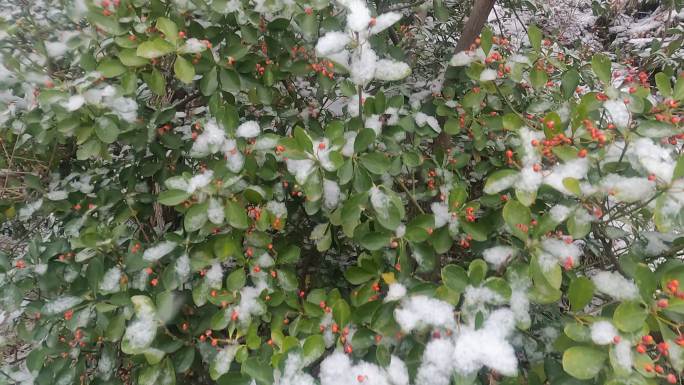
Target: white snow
[
  {"x": 249, "y": 129},
  {"x": 331, "y": 194},
  {"x": 501, "y": 184},
  {"x": 110, "y": 281},
  {"x": 498, "y": 255},
  {"x": 487, "y": 75},
  {"x": 628, "y": 189},
  {"x": 358, "y": 17},
  {"x": 395, "y": 292},
  {"x": 192, "y": 45},
  {"x": 301, "y": 169},
  {"x": 391, "y": 70},
  {"x": 559, "y": 213},
  {"x": 57, "y": 195},
  {"x": 209, "y": 141},
  {"x": 215, "y": 212},
  {"x": 362, "y": 66},
  {"x": 158, "y": 251},
  {"x": 623, "y": 354},
  {"x": 214, "y": 276},
  {"x": 234, "y": 158},
  {"x": 603, "y": 332},
  {"x": 615, "y": 285},
  {"x": 487, "y": 346},
  {"x": 618, "y": 112},
  {"x": 576, "y": 168},
  {"x": 182, "y": 267},
  {"x": 60, "y": 304},
  {"x": 423, "y": 119},
  {"x": 332, "y": 42},
  {"x": 74, "y": 103},
  {"x": 420, "y": 311},
  {"x": 385, "y": 21},
  {"x": 199, "y": 181}
]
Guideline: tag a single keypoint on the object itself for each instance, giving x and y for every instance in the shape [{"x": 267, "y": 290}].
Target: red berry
[
  {"x": 509, "y": 154},
  {"x": 662, "y": 303},
  {"x": 181, "y": 35},
  {"x": 582, "y": 153},
  {"x": 671, "y": 378}
]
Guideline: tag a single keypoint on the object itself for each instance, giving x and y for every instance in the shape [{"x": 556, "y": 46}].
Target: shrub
[{"x": 234, "y": 193}]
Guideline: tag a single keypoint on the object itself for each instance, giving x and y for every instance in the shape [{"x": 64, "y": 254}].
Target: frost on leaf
[{"x": 158, "y": 251}]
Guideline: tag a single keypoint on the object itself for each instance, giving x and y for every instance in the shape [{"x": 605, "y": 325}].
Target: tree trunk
[
  {"x": 473, "y": 27},
  {"x": 471, "y": 30}
]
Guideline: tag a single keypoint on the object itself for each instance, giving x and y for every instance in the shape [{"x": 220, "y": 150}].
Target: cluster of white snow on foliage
[
  {"x": 615, "y": 285},
  {"x": 110, "y": 281},
  {"x": 444, "y": 217},
  {"x": 352, "y": 50},
  {"x": 468, "y": 350},
  {"x": 396, "y": 291},
  {"x": 498, "y": 255},
  {"x": 292, "y": 373},
  {"x": 140, "y": 333},
  {"x": 60, "y": 304},
  {"x": 159, "y": 250},
  {"x": 420, "y": 311},
  {"x": 338, "y": 369},
  {"x": 557, "y": 251},
  {"x": 603, "y": 332}
]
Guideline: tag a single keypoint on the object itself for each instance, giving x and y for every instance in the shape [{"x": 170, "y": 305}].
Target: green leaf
[
  {"x": 230, "y": 80},
  {"x": 260, "y": 371},
  {"x": 440, "y": 10},
  {"x": 356, "y": 275},
  {"x": 106, "y": 129},
  {"x": 172, "y": 197},
  {"x": 580, "y": 293},
  {"x": 375, "y": 240},
  {"x": 236, "y": 215},
  {"x": 452, "y": 126},
  {"x": 678, "y": 93},
  {"x": 583, "y": 362},
  {"x": 500, "y": 180},
  {"x": 538, "y": 78},
  {"x": 477, "y": 271},
  {"x": 196, "y": 217},
  {"x": 168, "y": 28},
  {"x": 156, "y": 82},
  {"x": 655, "y": 129},
  {"x": 600, "y": 64},
  {"x": 663, "y": 84},
  {"x": 569, "y": 82},
  {"x": 535, "y": 36},
  {"x": 236, "y": 279},
  {"x": 314, "y": 346},
  {"x": 154, "y": 48},
  {"x": 109, "y": 25},
  {"x": 130, "y": 59},
  {"x": 375, "y": 162},
  {"x": 517, "y": 216},
  {"x": 455, "y": 278},
  {"x": 364, "y": 139},
  {"x": 184, "y": 70},
  {"x": 629, "y": 316},
  {"x": 111, "y": 68},
  {"x": 209, "y": 82},
  {"x": 341, "y": 312},
  {"x": 486, "y": 39}
]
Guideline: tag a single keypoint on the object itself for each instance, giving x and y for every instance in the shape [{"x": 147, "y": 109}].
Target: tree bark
[
  {"x": 471, "y": 30},
  {"x": 474, "y": 24}
]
